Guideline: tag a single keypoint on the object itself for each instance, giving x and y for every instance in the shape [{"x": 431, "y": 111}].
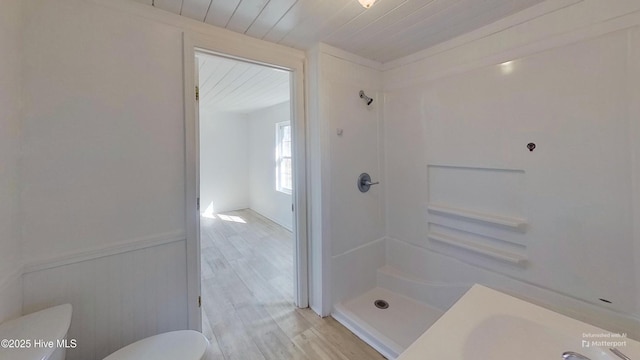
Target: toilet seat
[{"x": 174, "y": 345}]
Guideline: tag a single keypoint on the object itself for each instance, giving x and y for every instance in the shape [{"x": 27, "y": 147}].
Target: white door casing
[{"x": 265, "y": 54}]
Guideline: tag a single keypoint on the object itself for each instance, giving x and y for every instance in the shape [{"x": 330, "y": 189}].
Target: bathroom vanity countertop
[{"x": 487, "y": 324}]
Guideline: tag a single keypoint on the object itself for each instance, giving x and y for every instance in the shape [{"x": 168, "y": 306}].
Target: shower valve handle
[{"x": 364, "y": 182}]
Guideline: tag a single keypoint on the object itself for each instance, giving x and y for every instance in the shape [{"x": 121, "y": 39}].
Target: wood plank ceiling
[
  {"x": 235, "y": 86},
  {"x": 389, "y": 30}
]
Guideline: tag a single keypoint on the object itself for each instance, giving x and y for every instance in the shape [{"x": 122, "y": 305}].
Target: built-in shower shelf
[
  {"x": 483, "y": 249},
  {"x": 509, "y": 222}
]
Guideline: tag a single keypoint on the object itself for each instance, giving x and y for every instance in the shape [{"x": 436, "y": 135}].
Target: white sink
[
  {"x": 486, "y": 324},
  {"x": 499, "y": 335}
]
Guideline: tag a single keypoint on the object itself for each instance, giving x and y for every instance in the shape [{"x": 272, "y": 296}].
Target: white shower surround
[{"x": 545, "y": 40}]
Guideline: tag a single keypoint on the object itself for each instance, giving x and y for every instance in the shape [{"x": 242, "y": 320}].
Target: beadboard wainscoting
[
  {"x": 11, "y": 295},
  {"x": 119, "y": 294}
]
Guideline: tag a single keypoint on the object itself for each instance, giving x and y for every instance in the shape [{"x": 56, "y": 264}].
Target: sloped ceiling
[{"x": 387, "y": 31}]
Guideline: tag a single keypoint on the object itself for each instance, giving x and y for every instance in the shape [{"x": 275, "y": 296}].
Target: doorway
[
  {"x": 246, "y": 186},
  {"x": 270, "y": 90}
]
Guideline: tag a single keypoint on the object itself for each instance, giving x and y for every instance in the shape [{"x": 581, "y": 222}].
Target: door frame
[{"x": 275, "y": 56}]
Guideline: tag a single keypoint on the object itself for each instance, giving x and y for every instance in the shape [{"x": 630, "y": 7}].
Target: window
[{"x": 284, "y": 181}]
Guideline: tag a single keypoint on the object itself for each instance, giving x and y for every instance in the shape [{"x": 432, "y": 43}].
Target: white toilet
[
  {"x": 45, "y": 326},
  {"x": 52, "y": 324},
  {"x": 174, "y": 345}
]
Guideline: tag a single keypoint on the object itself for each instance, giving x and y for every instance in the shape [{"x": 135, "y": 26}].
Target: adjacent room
[
  {"x": 246, "y": 187},
  {"x": 319, "y": 179}
]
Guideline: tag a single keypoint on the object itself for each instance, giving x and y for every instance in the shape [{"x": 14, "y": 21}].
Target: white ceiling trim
[
  {"x": 519, "y": 18},
  {"x": 144, "y": 10},
  {"x": 389, "y": 30}
]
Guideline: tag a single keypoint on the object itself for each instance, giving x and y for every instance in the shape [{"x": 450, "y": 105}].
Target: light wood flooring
[{"x": 247, "y": 297}]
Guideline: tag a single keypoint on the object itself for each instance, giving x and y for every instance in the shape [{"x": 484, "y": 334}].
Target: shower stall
[{"x": 477, "y": 174}]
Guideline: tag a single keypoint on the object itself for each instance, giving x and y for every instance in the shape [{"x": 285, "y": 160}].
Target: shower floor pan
[{"x": 390, "y": 330}]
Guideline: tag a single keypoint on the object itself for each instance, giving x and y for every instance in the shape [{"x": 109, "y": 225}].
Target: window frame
[{"x": 280, "y": 157}]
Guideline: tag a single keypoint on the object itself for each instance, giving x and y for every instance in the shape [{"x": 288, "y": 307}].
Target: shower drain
[{"x": 381, "y": 304}]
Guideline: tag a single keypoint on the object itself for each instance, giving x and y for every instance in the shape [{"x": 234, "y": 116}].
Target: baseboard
[
  {"x": 290, "y": 228},
  {"x": 231, "y": 208},
  {"x": 105, "y": 250}
]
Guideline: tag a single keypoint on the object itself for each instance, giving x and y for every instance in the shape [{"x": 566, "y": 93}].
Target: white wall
[
  {"x": 456, "y": 128},
  {"x": 103, "y": 186},
  {"x": 103, "y": 166},
  {"x": 224, "y": 162},
  {"x": 237, "y": 163},
  {"x": 10, "y": 124},
  {"x": 104, "y": 133},
  {"x": 264, "y": 198}
]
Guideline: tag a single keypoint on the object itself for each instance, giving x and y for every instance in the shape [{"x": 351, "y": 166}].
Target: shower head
[{"x": 366, "y": 99}]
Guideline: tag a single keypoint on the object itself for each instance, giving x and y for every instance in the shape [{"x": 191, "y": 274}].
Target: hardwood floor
[{"x": 247, "y": 297}]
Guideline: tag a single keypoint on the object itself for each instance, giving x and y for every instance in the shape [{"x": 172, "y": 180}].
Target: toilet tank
[{"x": 37, "y": 336}]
